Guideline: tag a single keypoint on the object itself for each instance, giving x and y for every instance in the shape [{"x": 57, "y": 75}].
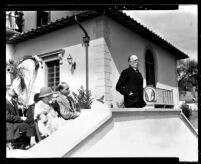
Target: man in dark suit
[
  {"x": 130, "y": 84},
  {"x": 16, "y": 127}
]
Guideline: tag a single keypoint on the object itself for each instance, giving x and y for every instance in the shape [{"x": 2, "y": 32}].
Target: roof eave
[
  {"x": 145, "y": 32},
  {"x": 118, "y": 16}
]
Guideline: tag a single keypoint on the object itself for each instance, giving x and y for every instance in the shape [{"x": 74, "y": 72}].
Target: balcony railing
[
  {"x": 14, "y": 21},
  {"x": 164, "y": 97}
]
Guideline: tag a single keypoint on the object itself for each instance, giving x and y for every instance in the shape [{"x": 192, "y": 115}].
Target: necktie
[
  {"x": 70, "y": 102},
  {"x": 13, "y": 102},
  {"x": 15, "y": 106}
]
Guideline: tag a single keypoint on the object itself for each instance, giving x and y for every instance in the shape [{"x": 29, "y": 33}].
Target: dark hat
[
  {"x": 63, "y": 86},
  {"x": 36, "y": 97}
]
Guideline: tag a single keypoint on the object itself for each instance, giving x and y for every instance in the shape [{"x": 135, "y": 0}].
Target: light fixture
[
  {"x": 70, "y": 59},
  {"x": 86, "y": 41},
  {"x": 70, "y": 62}
]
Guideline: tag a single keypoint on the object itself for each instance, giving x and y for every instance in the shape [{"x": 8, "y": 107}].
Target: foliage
[
  {"x": 82, "y": 99},
  {"x": 186, "y": 110},
  {"x": 187, "y": 74},
  {"x": 15, "y": 71},
  {"x": 120, "y": 104}
]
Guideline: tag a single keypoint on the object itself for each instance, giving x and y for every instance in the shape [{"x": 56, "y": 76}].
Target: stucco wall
[
  {"x": 123, "y": 42},
  {"x": 110, "y": 46},
  {"x": 9, "y": 55},
  {"x": 29, "y": 20},
  {"x": 141, "y": 134},
  {"x": 54, "y": 15},
  {"x": 50, "y": 42},
  {"x": 10, "y": 50},
  {"x": 30, "y": 17},
  {"x": 69, "y": 39}
]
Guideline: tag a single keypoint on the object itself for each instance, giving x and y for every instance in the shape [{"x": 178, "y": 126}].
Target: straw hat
[{"x": 45, "y": 91}]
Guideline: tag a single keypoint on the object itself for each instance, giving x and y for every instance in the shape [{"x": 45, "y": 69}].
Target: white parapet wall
[
  {"x": 63, "y": 140},
  {"x": 142, "y": 132},
  {"x": 121, "y": 132}
]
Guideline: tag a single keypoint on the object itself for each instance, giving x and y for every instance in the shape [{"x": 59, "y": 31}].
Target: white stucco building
[{"x": 54, "y": 36}]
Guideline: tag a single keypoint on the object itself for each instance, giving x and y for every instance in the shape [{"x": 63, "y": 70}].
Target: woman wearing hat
[{"x": 47, "y": 117}]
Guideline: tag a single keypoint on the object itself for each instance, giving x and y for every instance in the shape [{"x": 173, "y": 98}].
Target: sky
[{"x": 178, "y": 27}]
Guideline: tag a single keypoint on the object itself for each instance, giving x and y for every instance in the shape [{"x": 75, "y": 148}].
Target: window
[
  {"x": 150, "y": 68},
  {"x": 53, "y": 73},
  {"x": 42, "y": 18},
  {"x": 52, "y": 61}
]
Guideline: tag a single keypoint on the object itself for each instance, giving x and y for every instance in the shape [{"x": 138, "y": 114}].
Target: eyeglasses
[
  {"x": 134, "y": 61},
  {"x": 66, "y": 89}
]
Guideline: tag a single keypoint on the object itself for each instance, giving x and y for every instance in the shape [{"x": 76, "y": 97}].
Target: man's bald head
[
  {"x": 132, "y": 57},
  {"x": 133, "y": 61}
]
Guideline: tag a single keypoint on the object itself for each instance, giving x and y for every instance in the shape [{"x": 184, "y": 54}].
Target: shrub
[
  {"x": 186, "y": 110},
  {"x": 120, "y": 104},
  {"x": 82, "y": 100}
]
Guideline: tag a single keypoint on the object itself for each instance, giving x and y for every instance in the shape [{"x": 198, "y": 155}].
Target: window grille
[
  {"x": 150, "y": 68},
  {"x": 42, "y": 18},
  {"x": 15, "y": 20},
  {"x": 53, "y": 74}
]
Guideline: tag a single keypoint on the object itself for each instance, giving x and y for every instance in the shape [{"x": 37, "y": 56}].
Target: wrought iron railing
[
  {"x": 164, "y": 97},
  {"x": 14, "y": 21}
]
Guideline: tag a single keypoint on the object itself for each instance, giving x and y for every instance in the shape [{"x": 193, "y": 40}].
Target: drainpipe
[{"x": 86, "y": 40}]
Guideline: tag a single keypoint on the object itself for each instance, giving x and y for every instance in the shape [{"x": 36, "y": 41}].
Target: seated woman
[
  {"x": 67, "y": 109},
  {"x": 46, "y": 116}
]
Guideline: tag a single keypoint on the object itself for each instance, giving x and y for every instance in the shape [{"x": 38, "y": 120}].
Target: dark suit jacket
[
  {"x": 131, "y": 81},
  {"x": 29, "y": 113},
  {"x": 14, "y": 124}
]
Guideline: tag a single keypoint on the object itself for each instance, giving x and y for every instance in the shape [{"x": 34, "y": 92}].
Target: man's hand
[
  {"x": 33, "y": 141},
  {"x": 76, "y": 114},
  {"x": 43, "y": 118},
  {"x": 23, "y": 118}
]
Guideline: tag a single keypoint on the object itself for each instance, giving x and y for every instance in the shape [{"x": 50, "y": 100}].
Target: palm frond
[{"x": 15, "y": 72}]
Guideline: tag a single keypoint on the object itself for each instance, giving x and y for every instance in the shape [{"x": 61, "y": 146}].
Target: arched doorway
[{"x": 150, "y": 68}]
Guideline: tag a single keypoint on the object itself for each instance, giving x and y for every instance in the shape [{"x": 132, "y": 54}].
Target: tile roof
[{"x": 117, "y": 16}]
